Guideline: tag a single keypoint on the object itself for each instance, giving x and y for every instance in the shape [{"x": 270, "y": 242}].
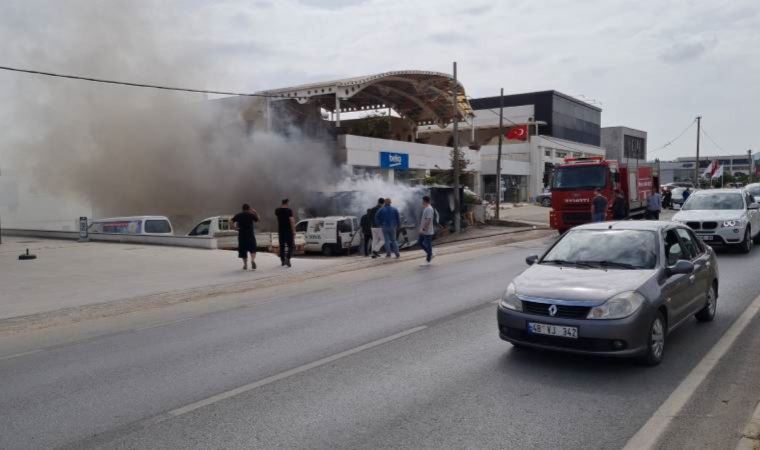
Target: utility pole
[
  {"x": 498, "y": 153},
  {"x": 455, "y": 158},
  {"x": 696, "y": 164}
]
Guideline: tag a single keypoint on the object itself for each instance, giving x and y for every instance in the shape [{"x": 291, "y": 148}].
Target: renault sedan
[{"x": 614, "y": 288}]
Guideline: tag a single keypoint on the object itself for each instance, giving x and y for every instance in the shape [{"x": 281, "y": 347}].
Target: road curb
[
  {"x": 20, "y": 324},
  {"x": 751, "y": 435}
]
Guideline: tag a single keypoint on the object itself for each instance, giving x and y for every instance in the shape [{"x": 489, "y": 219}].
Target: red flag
[{"x": 519, "y": 133}]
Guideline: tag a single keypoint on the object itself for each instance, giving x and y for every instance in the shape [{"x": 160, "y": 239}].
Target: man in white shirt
[{"x": 427, "y": 229}]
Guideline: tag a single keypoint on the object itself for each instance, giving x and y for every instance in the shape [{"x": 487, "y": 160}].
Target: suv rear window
[{"x": 344, "y": 226}]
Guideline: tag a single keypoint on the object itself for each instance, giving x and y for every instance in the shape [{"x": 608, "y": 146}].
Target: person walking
[
  {"x": 366, "y": 225},
  {"x": 389, "y": 220},
  {"x": 619, "y": 206},
  {"x": 598, "y": 206},
  {"x": 378, "y": 240},
  {"x": 654, "y": 206},
  {"x": 427, "y": 230},
  {"x": 286, "y": 231},
  {"x": 667, "y": 199},
  {"x": 244, "y": 223}
]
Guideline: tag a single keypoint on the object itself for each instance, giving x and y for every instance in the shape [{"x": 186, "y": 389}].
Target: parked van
[
  {"x": 331, "y": 235},
  {"x": 137, "y": 225}
]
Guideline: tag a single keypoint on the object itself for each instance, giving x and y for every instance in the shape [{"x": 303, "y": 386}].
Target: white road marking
[
  {"x": 648, "y": 436},
  {"x": 17, "y": 355},
  {"x": 288, "y": 373}
]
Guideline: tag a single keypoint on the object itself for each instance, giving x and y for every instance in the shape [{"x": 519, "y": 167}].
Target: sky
[{"x": 650, "y": 65}]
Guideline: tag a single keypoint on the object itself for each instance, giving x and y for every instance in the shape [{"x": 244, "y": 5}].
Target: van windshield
[{"x": 588, "y": 177}]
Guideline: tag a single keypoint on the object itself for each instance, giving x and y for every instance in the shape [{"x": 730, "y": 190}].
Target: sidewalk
[{"x": 70, "y": 282}]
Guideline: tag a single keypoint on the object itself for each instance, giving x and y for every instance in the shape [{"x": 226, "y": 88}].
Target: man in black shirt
[
  {"x": 286, "y": 229},
  {"x": 243, "y": 222},
  {"x": 366, "y": 225}
]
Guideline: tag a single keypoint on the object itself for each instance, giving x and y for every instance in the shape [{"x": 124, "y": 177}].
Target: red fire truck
[{"x": 574, "y": 182}]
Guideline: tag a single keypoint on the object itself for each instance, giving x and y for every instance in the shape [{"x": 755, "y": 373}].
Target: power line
[
  {"x": 704, "y": 132},
  {"x": 675, "y": 139},
  {"x": 128, "y": 83}
]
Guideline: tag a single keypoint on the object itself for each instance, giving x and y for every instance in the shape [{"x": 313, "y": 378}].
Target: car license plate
[
  {"x": 706, "y": 237},
  {"x": 553, "y": 330}
]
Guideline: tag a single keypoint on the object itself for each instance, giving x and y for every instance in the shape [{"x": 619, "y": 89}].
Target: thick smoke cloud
[{"x": 139, "y": 151}]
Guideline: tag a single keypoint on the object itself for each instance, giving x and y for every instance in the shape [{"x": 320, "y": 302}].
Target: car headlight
[
  {"x": 509, "y": 300},
  {"x": 733, "y": 223},
  {"x": 618, "y": 307}
]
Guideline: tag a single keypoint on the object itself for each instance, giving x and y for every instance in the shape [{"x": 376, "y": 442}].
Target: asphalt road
[{"x": 315, "y": 370}]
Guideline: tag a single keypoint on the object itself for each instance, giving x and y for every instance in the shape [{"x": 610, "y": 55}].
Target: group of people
[
  {"x": 286, "y": 230},
  {"x": 620, "y": 211},
  {"x": 381, "y": 226}
]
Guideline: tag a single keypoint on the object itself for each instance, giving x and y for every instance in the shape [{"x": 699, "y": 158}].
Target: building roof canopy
[{"x": 421, "y": 96}]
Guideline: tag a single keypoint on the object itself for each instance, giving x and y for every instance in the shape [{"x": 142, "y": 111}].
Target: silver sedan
[{"x": 614, "y": 289}]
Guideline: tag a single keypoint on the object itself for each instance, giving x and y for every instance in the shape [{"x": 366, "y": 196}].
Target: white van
[
  {"x": 331, "y": 235},
  {"x": 220, "y": 227},
  {"x": 135, "y": 226}
]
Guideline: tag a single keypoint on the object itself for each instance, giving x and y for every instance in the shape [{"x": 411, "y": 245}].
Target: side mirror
[
  {"x": 754, "y": 206},
  {"x": 682, "y": 267},
  {"x": 530, "y": 260}
]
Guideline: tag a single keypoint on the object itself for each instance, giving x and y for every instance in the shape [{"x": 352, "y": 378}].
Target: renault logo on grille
[{"x": 553, "y": 310}]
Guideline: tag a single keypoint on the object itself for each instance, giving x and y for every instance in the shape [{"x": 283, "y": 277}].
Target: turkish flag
[{"x": 519, "y": 133}]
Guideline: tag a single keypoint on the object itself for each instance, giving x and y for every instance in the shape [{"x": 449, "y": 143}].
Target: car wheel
[
  {"x": 546, "y": 202},
  {"x": 655, "y": 341},
  {"x": 746, "y": 245},
  {"x": 327, "y": 250},
  {"x": 756, "y": 240},
  {"x": 707, "y": 314}
]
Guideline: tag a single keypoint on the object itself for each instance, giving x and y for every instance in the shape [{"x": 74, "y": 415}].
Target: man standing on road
[
  {"x": 389, "y": 220},
  {"x": 667, "y": 199},
  {"x": 619, "y": 206},
  {"x": 654, "y": 206},
  {"x": 286, "y": 230},
  {"x": 366, "y": 225},
  {"x": 598, "y": 207},
  {"x": 427, "y": 229},
  {"x": 377, "y": 231},
  {"x": 243, "y": 222},
  {"x": 685, "y": 195}
]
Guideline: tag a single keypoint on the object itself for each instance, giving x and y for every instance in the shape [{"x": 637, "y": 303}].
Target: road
[{"x": 396, "y": 356}]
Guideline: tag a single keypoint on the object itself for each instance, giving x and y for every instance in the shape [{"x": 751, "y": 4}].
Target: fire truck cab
[{"x": 575, "y": 181}]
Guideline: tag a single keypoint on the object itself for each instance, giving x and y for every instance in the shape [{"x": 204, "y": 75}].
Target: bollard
[{"x": 83, "y": 233}]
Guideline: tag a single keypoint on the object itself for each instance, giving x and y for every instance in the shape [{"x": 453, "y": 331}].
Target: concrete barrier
[{"x": 203, "y": 242}]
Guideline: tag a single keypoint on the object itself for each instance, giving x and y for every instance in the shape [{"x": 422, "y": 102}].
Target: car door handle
[{"x": 692, "y": 278}]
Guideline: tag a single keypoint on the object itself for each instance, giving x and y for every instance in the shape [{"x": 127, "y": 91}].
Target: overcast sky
[{"x": 651, "y": 65}]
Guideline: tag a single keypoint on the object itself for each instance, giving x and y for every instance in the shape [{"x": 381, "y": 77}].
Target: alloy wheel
[{"x": 658, "y": 338}]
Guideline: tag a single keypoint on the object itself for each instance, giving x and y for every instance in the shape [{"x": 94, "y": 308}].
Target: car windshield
[
  {"x": 624, "y": 249},
  {"x": 716, "y": 200},
  {"x": 579, "y": 177}
]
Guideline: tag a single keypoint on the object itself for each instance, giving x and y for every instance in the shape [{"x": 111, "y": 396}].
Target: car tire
[
  {"x": 547, "y": 202},
  {"x": 756, "y": 239},
  {"x": 707, "y": 314},
  {"x": 656, "y": 337},
  {"x": 746, "y": 245},
  {"x": 327, "y": 250}
]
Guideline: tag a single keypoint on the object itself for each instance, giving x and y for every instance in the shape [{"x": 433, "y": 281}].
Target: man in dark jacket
[
  {"x": 598, "y": 206},
  {"x": 243, "y": 222},
  {"x": 366, "y": 224},
  {"x": 619, "y": 206}
]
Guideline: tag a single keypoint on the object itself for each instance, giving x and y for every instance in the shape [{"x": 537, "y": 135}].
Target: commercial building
[
  {"x": 682, "y": 169},
  {"x": 624, "y": 144}
]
